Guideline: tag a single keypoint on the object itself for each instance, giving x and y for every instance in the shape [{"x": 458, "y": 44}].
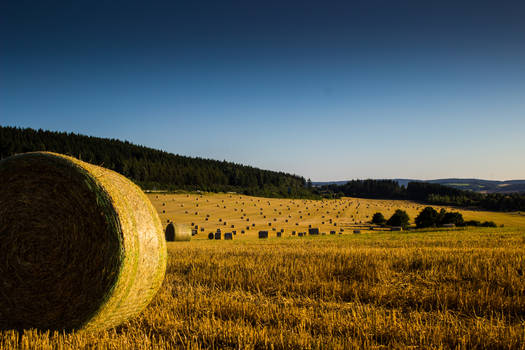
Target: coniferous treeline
[
  {"x": 156, "y": 170},
  {"x": 427, "y": 193},
  {"x": 386, "y": 189}
]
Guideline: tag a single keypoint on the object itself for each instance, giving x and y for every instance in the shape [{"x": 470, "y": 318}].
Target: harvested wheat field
[
  {"x": 461, "y": 288},
  {"x": 213, "y": 211}
]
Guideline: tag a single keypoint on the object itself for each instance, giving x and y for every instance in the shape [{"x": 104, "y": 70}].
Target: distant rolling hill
[{"x": 476, "y": 185}]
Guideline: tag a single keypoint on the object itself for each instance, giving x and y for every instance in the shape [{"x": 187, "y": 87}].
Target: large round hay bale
[
  {"x": 178, "y": 232},
  {"x": 81, "y": 246}
]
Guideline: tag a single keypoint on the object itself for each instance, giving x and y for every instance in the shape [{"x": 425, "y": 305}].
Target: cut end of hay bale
[{"x": 82, "y": 247}]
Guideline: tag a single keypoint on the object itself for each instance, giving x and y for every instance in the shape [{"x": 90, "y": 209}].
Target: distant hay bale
[
  {"x": 313, "y": 231},
  {"x": 82, "y": 247},
  {"x": 357, "y": 231},
  {"x": 228, "y": 236},
  {"x": 218, "y": 234},
  {"x": 279, "y": 234},
  {"x": 211, "y": 235},
  {"x": 263, "y": 234},
  {"x": 177, "y": 232},
  {"x": 332, "y": 232}
]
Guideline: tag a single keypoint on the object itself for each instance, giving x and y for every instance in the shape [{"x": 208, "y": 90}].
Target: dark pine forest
[{"x": 156, "y": 170}]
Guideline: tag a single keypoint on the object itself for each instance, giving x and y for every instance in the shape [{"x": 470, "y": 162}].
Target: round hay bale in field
[
  {"x": 82, "y": 247},
  {"x": 263, "y": 234},
  {"x": 178, "y": 232}
]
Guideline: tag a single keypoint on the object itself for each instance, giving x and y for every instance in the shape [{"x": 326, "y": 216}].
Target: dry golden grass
[{"x": 436, "y": 289}]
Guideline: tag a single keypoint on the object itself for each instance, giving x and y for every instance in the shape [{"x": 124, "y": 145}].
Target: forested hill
[
  {"x": 431, "y": 193},
  {"x": 154, "y": 169},
  {"x": 157, "y": 170}
]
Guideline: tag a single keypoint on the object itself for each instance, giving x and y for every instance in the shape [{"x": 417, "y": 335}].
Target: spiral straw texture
[{"x": 81, "y": 247}]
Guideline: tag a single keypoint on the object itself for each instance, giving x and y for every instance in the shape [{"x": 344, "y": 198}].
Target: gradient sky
[{"x": 324, "y": 89}]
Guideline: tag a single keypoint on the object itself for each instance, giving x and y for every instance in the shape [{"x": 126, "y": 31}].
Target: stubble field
[{"x": 377, "y": 289}]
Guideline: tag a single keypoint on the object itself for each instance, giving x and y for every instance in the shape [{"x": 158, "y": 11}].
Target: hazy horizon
[{"x": 330, "y": 91}]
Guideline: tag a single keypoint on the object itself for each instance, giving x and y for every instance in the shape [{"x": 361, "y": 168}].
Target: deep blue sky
[{"x": 328, "y": 90}]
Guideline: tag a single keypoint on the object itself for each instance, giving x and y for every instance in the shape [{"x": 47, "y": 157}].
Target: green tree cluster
[
  {"x": 399, "y": 218},
  {"x": 378, "y": 219},
  {"x": 430, "y": 217}
]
